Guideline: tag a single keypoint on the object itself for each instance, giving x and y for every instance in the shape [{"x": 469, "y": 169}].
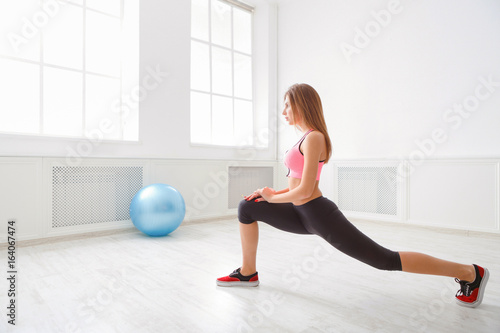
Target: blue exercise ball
[{"x": 157, "y": 209}]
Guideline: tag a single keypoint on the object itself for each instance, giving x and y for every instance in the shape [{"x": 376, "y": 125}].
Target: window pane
[
  {"x": 103, "y": 44},
  {"x": 18, "y": 36},
  {"x": 222, "y": 67},
  {"x": 130, "y": 123},
  {"x": 63, "y": 38},
  {"x": 130, "y": 73},
  {"x": 222, "y": 121},
  {"x": 200, "y": 66},
  {"x": 62, "y": 102},
  {"x": 243, "y": 123},
  {"x": 199, "y": 19},
  {"x": 200, "y": 118},
  {"x": 242, "y": 76},
  {"x": 221, "y": 23},
  {"x": 102, "y": 97},
  {"x": 19, "y": 97},
  {"x": 130, "y": 41},
  {"x": 222, "y": 82},
  {"x": 242, "y": 31},
  {"x": 108, "y": 6}
]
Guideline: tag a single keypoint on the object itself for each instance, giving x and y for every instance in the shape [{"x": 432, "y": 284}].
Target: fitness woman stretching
[{"x": 302, "y": 209}]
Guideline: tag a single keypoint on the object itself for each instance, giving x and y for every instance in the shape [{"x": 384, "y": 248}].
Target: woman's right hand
[
  {"x": 257, "y": 194},
  {"x": 252, "y": 196}
]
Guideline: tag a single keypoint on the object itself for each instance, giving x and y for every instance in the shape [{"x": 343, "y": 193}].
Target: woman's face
[{"x": 287, "y": 112}]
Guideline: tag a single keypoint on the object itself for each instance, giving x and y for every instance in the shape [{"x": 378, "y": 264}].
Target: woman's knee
[
  {"x": 244, "y": 212},
  {"x": 389, "y": 262}
]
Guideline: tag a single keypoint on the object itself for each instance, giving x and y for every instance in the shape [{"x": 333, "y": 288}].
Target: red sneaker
[
  {"x": 471, "y": 293},
  {"x": 236, "y": 279}
]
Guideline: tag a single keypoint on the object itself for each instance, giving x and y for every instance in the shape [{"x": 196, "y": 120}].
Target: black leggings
[{"x": 321, "y": 217}]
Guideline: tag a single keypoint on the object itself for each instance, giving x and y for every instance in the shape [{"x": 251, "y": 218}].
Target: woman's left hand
[{"x": 266, "y": 194}]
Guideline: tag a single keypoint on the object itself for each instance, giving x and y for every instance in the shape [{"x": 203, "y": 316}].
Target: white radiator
[
  {"x": 368, "y": 189},
  {"x": 93, "y": 194},
  {"x": 245, "y": 180}
]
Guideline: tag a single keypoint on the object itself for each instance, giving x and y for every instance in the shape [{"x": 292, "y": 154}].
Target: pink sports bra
[{"x": 294, "y": 160}]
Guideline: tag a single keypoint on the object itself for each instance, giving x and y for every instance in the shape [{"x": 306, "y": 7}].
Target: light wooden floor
[{"x": 128, "y": 282}]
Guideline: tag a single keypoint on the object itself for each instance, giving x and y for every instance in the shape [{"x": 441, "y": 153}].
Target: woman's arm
[
  {"x": 312, "y": 147},
  {"x": 282, "y": 191},
  {"x": 256, "y": 195}
]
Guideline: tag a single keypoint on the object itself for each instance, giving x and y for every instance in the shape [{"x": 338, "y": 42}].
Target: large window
[
  {"x": 68, "y": 68},
  {"x": 221, "y": 73}
]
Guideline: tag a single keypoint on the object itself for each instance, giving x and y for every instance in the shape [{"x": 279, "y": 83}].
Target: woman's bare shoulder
[
  {"x": 314, "y": 143},
  {"x": 315, "y": 138}
]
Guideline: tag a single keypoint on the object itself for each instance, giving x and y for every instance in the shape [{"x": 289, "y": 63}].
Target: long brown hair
[{"x": 306, "y": 103}]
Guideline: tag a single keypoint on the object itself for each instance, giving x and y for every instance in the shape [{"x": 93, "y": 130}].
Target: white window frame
[
  {"x": 239, "y": 6},
  {"x": 83, "y": 71}
]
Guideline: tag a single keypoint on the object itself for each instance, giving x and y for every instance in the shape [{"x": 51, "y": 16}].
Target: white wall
[
  {"x": 397, "y": 89},
  {"x": 390, "y": 95},
  {"x": 27, "y": 194},
  {"x": 164, "y": 113}
]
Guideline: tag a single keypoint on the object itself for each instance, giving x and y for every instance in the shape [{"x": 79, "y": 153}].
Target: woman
[{"x": 302, "y": 209}]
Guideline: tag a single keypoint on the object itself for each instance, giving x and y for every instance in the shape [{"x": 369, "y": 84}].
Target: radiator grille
[
  {"x": 245, "y": 180},
  {"x": 368, "y": 189},
  {"x": 93, "y": 194}
]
